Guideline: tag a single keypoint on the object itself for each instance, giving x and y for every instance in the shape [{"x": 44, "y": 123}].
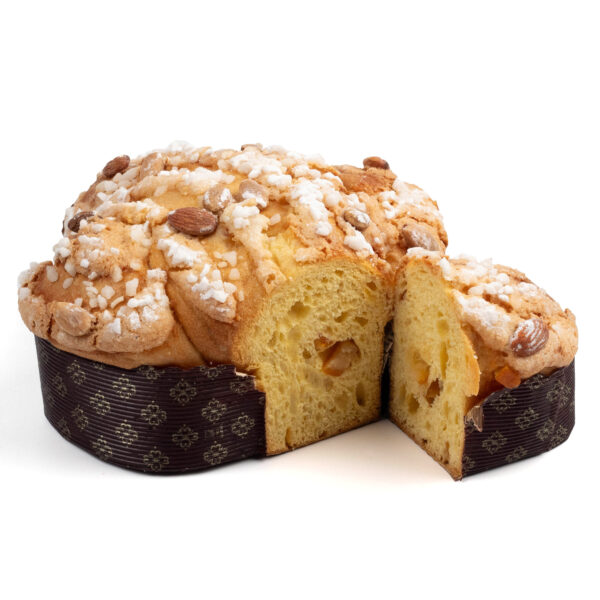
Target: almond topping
[
  {"x": 72, "y": 319},
  {"x": 357, "y": 218},
  {"x": 251, "y": 189},
  {"x": 75, "y": 222},
  {"x": 116, "y": 165},
  {"x": 375, "y": 162},
  {"x": 152, "y": 164},
  {"x": 340, "y": 357},
  {"x": 419, "y": 236},
  {"x": 529, "y": 337},
  {"x": 507, "y": 377},
  {"x": 217, "y": 198},
  {"x": 370, "y": 182},
  {"x": 193, "y": 221}
]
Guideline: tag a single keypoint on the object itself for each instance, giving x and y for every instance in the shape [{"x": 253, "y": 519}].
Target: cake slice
[{"x": 463, "y": 330}]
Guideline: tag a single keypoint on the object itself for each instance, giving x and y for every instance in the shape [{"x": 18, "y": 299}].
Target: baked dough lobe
[{"x": 454, "y": 344}]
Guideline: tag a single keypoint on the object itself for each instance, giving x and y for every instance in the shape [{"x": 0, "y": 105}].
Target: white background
[{"x": 492, "y": 107}]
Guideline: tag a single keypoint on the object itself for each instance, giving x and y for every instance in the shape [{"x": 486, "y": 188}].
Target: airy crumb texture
[
  {"x": 317, "y": 351},
  {"x": 462, "y": 330}
]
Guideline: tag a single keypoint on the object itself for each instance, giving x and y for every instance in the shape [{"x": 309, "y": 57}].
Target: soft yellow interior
[
  {"x": 433, "y": 369},
  {"x": 316, "y": 350}
]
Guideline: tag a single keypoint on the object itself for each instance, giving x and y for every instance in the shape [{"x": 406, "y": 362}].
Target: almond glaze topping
[
  {"x": 116, "y": 165},
  {"x": 529, "y": 337},
  {"x": 193, "y": 221},
  {"x": 375, "y": 162},
  {"x": 357, "y": 218},
  {"x": 75, "y": 222},
  {"x": 217, "y": 198}
]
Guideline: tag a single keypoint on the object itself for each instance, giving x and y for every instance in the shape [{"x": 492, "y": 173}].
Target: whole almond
[
  {"x": 375, "y": 162},
  {"x": 116, "y": 165},
  {"x": 152, "y": 164},
  {"x": 529, "y": 337},
  {"x": 193, "y": 221},
  {"x": 72, "y": 319},
  {"x": 217, "y": 198},
  {"x": 357, "y": 218},
  {"x": 418, "y": 236},
  {"x": 251, "y": 189},
  {"x": 75, "y": 222},
  {"x": 370, "y": 181}
]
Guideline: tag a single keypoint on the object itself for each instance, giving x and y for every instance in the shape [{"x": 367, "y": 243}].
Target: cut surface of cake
[{"x": 464, "y": 329}]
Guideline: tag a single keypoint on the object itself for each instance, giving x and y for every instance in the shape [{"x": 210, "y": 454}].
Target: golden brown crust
[{"x": 125, "y": 283}]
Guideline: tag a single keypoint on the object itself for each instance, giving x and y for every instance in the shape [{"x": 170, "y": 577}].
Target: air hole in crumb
[
  {"x": 428, "y": 425},
  {"x": 433, "y": 391},
  {"x": 401, "y": 393},
  {"x": 341, "y": 317},
  {"x": 413, "y": 404},
  {"x": 288, "y": 437},
  {"x": 443, "y": 359},
  {"x": 306, "y": 354},
  {"x": 360, "y": 394},
  {"x": 443, "y": 327},
  {"x": 371, "y": 285},
  {"x": 299, "y": 310},
  {"x": 420, "y": 368},
  {"x": 340, "y": 273}
]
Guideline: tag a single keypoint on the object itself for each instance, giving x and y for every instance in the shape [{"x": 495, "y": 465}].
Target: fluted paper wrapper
[
  {"x": 519, "y": 423},
  {"x": 152, "y": 419}
]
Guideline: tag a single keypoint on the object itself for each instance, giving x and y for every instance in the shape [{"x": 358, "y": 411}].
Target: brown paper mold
[
  {"x": 171, "y": 420},
  {"x": 157, "y": 420}
]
